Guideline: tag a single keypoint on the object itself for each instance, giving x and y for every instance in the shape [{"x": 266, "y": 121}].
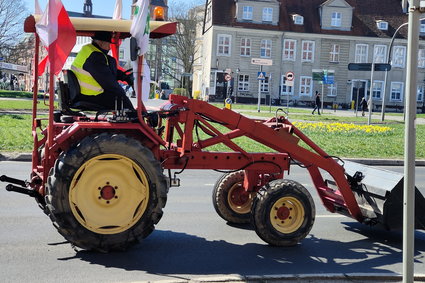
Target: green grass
[
  {"x": 21, "y": 105},
  {"x": 15, "y": 134}
]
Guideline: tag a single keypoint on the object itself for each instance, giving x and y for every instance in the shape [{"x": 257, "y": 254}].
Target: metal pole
[
  {"x": 236, "y": 85},
  {"x": 323, "y": 96},
  {"x": 383, "y": 96},
  {"x": 270, "y": 93},
  {"x": 410, "y": 143},
  {"x": 358, "y": 84},
  {"x": 369, "y": 118},
  {"x": 259, "y": 90}
]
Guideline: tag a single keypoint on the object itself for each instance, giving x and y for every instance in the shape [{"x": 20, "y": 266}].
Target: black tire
[
  {"x": 229, "y": 199},
  {"x": 140, "y": 191},
  {"x": 283, "y": 213}
]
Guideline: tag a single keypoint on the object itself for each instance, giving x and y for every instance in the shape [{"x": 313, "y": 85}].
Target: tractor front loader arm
[{"x": 277, "y": 133}]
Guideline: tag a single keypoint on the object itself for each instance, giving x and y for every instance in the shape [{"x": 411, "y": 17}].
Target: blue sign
[
  {"x": 328, "y": 79},
  {"x": 261, "y": 76},
  {"x": 1, "y": 58}
]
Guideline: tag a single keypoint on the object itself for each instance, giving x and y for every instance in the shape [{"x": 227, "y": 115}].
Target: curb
[
  {"x": 299, "y": 278},
  {"x": 26, "y": 157}
]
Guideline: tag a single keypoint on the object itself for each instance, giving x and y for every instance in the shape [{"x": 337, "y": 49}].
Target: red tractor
[{"x": 103, "y": 179}]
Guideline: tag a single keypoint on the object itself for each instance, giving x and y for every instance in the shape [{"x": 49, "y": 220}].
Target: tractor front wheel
[
  {"x": 230, "y": 199},
  {"x": 283, "y": 213},
  {"x": 106, "y": 193}
]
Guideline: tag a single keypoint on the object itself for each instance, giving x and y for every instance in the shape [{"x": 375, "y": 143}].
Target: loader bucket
[{"x": 379, "y": 194}]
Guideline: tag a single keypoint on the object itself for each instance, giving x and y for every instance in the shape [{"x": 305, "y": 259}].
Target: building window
[
  {"x": 334, "y": 53},
  {"x": 264, "y": 85},
  {"x": 420, "y": 93},
  {"x": 396, "y": 91},
  {"x": 382, "y": 25},
  {"x": 399, "y": 53},
  {"x": 284, "y": 89},
  {"x": 421, "y": 58},
  {"x": 336, "y": 19},
  {"x": 243, "y": 83},
  {"x": 307, "y": 51},
  {"x": 245, "y": 47},
  {"x": 266, "y": 48},
  {"x": 267, "y": 14},
  {"x": 298, "y": 20},
  {"x": 380, "y": 54},
  {"x": 377, "y": 90},
  {"x": 306, "y": 84},
  {"x": 289, "y": 46},
  {"x": 422, "y": 27},
  {"x": 247, "y": 13},
  {"x": 223, "y": 44},
  {"x": 332, "y": 90},
  {"x": 361, "y": 53}
]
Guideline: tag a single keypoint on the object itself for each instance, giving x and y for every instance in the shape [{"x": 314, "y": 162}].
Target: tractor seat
[{"x": 68, "y": 95}]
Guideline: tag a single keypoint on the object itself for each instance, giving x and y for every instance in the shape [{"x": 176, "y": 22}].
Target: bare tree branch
[{"x": 12, "y": 16}]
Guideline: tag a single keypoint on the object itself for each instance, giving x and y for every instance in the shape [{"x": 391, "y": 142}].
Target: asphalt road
[{"x": 192, "y": 242}]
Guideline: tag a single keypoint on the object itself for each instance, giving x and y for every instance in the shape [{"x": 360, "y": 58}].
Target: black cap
[{"x": 103, "y": 36}]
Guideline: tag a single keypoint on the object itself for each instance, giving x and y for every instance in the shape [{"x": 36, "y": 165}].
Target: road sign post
[{"x": 262, "y": 62}]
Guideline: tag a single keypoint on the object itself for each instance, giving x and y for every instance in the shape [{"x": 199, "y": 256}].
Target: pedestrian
[
  {"x": 363, "y": 105},
  {"x": 318, "y": 103}
]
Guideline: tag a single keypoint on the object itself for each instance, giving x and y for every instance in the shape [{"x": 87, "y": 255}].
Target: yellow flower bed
[{"x": 342, "y": 128}]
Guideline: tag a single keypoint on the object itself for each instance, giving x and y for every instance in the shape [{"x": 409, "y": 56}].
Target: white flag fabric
[
  {"x": 118, "y": 10},
  {"x": 146, "y": 82},
  {"x": 140, "y": 25},
  {"x": 37, "y": 9},
  {"x": 146, "y": 79}
]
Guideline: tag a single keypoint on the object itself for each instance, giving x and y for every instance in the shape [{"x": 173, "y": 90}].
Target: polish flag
[{"x": 57, "y": 34}]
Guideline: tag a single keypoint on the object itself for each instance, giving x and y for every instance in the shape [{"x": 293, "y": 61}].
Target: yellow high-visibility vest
[{"x": 88, "y": 85}]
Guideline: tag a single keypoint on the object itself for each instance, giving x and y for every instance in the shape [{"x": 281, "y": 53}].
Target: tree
[
  {"x": 179, "y": 54},
  {"x": 12, "y": 16}
]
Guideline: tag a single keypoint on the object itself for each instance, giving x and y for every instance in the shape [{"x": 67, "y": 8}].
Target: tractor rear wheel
[
  {"x": 283, "y": 213},
  {"x": 106, "y": 193},
  {"x": 230, "y": 199}
]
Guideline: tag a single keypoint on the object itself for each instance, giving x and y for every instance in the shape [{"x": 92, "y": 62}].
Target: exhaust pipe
[{"x": 379, "y": 194}]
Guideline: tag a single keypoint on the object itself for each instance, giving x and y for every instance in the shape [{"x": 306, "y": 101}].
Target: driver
[{"x": 98, "y": 75}]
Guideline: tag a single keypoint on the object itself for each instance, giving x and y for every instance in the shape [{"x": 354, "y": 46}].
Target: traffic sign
[
  {"x": 262, "y": 61},
  {"x": 368, "y": 67},
  {"x": 289, "y": 76},
  {"x": 261, "y": 76},
  {"x": 227, "y": 77}
]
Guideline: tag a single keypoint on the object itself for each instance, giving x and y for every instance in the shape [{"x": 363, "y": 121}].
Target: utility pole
[{"x": 410, "y": 140}]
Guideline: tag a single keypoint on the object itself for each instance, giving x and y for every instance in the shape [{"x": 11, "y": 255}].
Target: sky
[{"x": 100, "y": 7}]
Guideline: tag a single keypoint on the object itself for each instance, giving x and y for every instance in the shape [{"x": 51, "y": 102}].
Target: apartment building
[{"x": 304, "y": 38}]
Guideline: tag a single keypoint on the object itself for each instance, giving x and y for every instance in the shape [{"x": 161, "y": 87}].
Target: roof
[
  {"x": 365, "y": 16},
  {"x": 87, "y": 26}
]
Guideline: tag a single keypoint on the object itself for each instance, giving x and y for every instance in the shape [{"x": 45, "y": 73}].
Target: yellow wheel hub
[
  {"x": 109, "y": 194},
  {"x": 287, "y": 215},
  {"x": 239, "y": 200}
]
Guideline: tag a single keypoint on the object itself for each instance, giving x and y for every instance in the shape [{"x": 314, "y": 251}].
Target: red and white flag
[{"x": 57, "y": 34}]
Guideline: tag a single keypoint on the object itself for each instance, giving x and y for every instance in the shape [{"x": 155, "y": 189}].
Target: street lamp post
[{"x": 389, "y": 62}]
